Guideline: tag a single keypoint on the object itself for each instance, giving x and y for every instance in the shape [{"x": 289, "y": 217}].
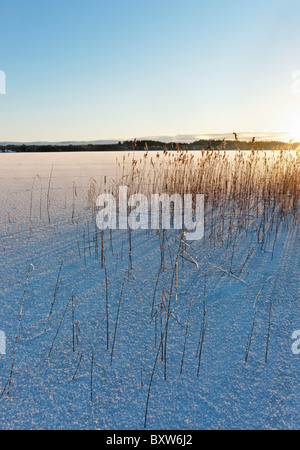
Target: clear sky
[{"x": 118, "y": 69}]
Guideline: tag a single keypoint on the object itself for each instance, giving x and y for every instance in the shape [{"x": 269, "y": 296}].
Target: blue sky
[{"x": 118, "y": 69}]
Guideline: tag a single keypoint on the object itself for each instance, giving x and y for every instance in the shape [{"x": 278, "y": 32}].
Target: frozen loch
[{"x": 121, "y": 329}]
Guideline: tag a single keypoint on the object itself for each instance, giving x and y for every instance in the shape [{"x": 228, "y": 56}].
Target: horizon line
[{"x": 179, "y": 138}]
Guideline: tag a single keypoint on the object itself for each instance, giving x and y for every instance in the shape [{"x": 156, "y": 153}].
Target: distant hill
[{"x": 62, "y": 143}]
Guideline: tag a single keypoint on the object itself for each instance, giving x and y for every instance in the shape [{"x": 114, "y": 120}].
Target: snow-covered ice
[{"x": 64, "y": 246}]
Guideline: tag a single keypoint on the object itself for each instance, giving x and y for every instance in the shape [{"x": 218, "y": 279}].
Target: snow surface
[{"x": 227, "y": 394}]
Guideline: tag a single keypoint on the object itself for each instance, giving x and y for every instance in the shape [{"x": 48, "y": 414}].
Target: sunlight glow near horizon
[
  {"x": 292, "y": 125},
  {"x": 109, "y": 69}
]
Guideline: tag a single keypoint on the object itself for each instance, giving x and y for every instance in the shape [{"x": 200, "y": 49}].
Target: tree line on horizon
[{"x": 144, "y": 145}]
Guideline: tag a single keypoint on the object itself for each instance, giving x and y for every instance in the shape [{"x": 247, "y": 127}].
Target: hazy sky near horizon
[{"x": 118, "y": 69}]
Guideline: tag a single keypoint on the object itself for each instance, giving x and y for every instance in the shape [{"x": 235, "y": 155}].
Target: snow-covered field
[{"x": 86, "y": 346}]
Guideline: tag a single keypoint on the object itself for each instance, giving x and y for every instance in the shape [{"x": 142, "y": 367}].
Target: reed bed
[{"x": 258, "y": 188}]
